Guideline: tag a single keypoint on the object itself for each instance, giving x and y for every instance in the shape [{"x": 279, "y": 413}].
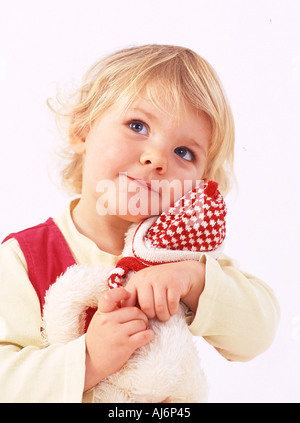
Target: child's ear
[{"x": 77, "y": 136}]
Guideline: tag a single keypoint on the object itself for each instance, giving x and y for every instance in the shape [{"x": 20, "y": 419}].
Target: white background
[{"x": 255, "y": 47}]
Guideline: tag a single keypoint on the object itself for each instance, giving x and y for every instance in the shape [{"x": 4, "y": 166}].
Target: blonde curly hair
[{"x": 181, "y": 74}]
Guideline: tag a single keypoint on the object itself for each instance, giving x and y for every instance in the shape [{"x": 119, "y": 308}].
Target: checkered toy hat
[{"x": 194, "y": 225}]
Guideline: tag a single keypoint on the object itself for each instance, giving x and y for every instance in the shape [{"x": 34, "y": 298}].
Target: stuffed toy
[{"x": 168, "y": 368}]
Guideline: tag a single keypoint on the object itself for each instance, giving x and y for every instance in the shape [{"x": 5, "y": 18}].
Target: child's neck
[{"x": 107, "y": 232}]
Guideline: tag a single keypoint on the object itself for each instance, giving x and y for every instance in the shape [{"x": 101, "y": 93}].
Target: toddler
[{"x": 147, "y": 125}]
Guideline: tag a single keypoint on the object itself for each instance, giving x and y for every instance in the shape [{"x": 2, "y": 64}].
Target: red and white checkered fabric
[{"x": 196, "y": 222}]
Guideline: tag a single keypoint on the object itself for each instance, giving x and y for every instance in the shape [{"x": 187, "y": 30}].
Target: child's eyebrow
[{"x": 148, "y": 114}]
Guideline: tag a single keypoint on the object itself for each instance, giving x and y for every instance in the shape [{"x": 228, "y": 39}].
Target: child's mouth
[{"x": 140, "y": 183}]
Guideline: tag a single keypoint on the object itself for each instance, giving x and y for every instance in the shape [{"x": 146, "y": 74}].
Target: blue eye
[
  {"x": 184, "y": 153},
  {"x": 139, "y": 127}
]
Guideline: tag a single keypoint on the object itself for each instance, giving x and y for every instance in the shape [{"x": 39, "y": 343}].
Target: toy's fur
[{"x": 166, "y": 370}]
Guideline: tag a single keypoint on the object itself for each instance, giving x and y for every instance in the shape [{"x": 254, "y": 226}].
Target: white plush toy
[{"x": 168, "y": 368}]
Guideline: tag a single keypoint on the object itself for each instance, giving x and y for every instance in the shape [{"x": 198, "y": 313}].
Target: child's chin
[{"x": 135, "y": 218}]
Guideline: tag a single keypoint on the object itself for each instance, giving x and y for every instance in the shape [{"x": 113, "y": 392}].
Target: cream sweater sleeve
[
  {"x": 237, "y": 313},
  {"x": 29, "y": 373}
]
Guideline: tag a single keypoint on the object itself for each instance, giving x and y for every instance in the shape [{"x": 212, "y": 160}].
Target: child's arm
[
  {"x": 235, "y": 312},
  {"x": 113, "y": 335},
  {"x": 158, "y": 289},
  {"x": 61, "y": 372},
  {"x": 29, "y": 373}
]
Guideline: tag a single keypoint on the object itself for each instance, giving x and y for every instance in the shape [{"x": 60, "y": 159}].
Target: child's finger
[
  {"x": 173, "y": 299},
  {"x": 128, "y": 314},
  {"x": 161, "y": 305},
  {"x": 146, "y": 300},
  {"x": 111, "y": 300},
  {"x": 131, "y": 300},
  {"x": 135, "y": 326},
  {"x": 140, "y": 339}
]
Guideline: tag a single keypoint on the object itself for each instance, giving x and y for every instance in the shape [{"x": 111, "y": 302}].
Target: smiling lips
[{"x": 141, "y": 183}]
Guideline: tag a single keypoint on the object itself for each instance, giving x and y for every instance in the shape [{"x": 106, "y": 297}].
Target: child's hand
[
  {"x": 159, "y": 289},
  {"x": 113, "y": 335}
]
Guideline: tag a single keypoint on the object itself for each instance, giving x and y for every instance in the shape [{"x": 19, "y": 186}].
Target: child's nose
[{"x": 155, "y": 158}]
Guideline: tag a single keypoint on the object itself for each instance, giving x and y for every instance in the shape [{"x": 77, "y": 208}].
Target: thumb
[
  {"x": 132, "y": 298},
  {"x": 111, "y": 300}
]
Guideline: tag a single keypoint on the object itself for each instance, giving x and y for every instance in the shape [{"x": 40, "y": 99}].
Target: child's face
[{"x": 143, "y": 144}]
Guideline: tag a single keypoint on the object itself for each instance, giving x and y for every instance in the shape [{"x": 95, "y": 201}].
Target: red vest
[{"x": 47, "y": 255}]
